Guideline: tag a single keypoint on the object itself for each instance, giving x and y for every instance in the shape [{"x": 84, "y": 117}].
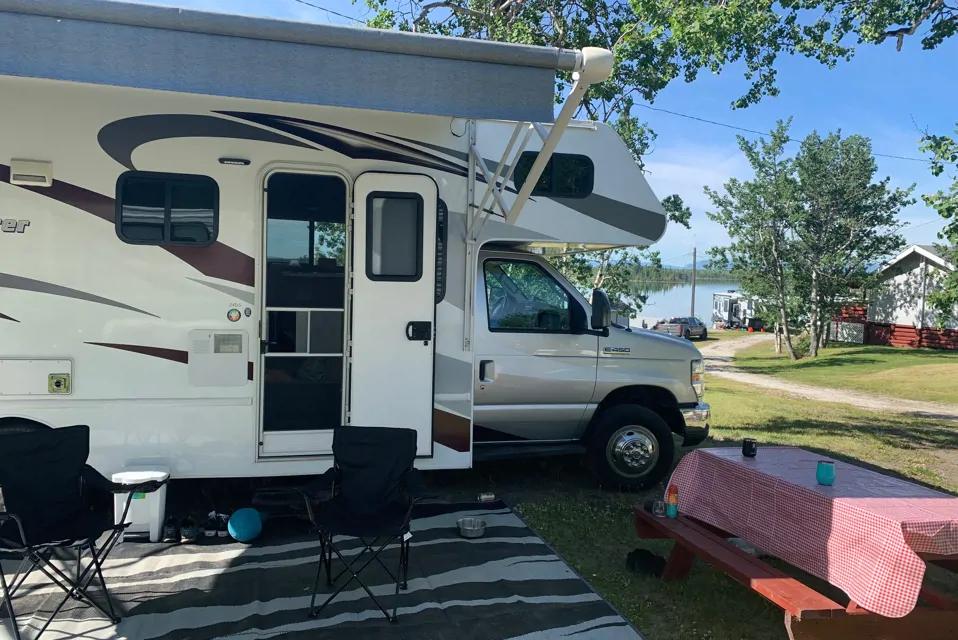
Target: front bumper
[{"x": 697, "y": 421}]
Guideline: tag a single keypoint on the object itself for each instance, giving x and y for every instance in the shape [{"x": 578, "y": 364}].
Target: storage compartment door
[{"x": 393, "y": 304}]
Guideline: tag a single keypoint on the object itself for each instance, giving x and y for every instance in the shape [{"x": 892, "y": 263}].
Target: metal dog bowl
[{"x": 471, "y": 527}]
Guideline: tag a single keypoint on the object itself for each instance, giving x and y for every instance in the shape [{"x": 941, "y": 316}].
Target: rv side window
[
  {"x": 521, "y": 296},
  {"x": 566, "y": 175},
  {"x": 394, "y": 230},
  {"x": 166, "y": 208}
]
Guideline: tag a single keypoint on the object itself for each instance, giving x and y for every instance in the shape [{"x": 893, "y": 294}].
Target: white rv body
[{"x": 159, "y": 347}]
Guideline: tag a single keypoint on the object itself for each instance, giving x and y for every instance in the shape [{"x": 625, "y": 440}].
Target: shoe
[
  {"x": 211, "y": 526},
  {"x": 222, "y": 529},
  {"x": 188, "y": 530},
  {"x": 171, "y": 530}
]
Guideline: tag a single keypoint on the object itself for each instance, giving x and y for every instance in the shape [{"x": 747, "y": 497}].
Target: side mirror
[{"x": 601, "y": 310}]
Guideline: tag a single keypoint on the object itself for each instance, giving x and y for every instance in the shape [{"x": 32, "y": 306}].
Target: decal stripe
[
  {"x": 350, "y": 143},
  {"x": 245, "y": 296},
  {"x": 121, "y": 138},
  {"x": 9, "y": 281},
  {"x": 216, "y": 261},
  {"x": 450, "y": 430},
  {"x": 174, "y": 355},
  {"x": 6, "y": 317}
]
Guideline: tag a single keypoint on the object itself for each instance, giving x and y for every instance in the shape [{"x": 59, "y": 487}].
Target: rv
[
  {"x": 734, "y": 310},
  {"x": 225, "y": 236}
]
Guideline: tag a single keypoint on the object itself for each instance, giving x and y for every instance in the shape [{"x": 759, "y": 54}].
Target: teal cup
[{"x": 825, "y": 473}]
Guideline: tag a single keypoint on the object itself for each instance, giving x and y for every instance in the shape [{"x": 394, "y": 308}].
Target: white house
[{"x": 899, "y": 312}]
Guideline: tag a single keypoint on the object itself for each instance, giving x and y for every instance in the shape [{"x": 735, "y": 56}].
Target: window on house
[
  {"x": 167, "y": 208},
  {"x": 566, "y": 175}
]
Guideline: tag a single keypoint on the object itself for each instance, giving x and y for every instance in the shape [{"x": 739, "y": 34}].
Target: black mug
[{"x": 749, "y": 448}]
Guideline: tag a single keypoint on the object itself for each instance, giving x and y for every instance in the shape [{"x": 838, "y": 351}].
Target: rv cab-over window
[{"x": 566, "y": 175}]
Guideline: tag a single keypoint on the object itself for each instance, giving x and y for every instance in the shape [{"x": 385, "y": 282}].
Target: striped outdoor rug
[{"x": 508, "y": 584}]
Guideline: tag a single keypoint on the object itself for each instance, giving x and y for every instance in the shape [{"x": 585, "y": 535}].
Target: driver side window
[{"x": 523, "y": 297}]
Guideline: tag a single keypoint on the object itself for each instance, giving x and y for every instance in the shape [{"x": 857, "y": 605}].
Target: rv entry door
[{"x": 393, "y": 304}]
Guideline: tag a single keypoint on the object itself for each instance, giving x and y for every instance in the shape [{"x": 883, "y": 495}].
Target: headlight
[{"x": 698, "y": 377}]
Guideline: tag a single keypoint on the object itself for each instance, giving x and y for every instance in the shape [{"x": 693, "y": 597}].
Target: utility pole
[{"x": 694, "y": 266}]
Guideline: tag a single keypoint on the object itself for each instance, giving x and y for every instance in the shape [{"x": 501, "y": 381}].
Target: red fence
[
  {"x": 851, "y": 314},
  {"x": 902, "y": 335}
]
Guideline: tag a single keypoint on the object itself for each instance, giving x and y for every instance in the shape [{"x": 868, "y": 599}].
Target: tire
[
  {"x": 705, "y": 335},
  {"x": 630, "y": 426},
  {"x": 687, "y": 335}
]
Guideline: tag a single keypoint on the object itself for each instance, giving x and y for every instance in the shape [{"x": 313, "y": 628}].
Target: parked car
[{"x": 686, "y": 327}]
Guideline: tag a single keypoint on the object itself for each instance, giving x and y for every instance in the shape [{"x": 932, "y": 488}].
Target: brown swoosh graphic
[
  {"x": 6, "y": 317},
  {"x": 174, "y": 355},
  {"x": 450, "y": 430},
  {"x": 215, "y": 261}
]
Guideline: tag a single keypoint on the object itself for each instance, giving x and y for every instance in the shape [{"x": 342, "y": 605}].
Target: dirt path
[{"x": 719, "y": 357}]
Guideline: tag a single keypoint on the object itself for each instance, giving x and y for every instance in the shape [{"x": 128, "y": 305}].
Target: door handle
[
  {"x": 419, "y": 330},
  {"x": 487, "y": 370}
]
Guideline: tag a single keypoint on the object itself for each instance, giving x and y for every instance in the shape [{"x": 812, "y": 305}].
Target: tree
[
  {"x": 756, "y": 214},
  {"x": 805, "y": 230},
  {"x": 944, "y": 151},
  {"x": 845, "y": 223}
]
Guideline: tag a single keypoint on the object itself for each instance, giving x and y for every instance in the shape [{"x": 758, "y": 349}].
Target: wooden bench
[{"x": 808, "y": 614}]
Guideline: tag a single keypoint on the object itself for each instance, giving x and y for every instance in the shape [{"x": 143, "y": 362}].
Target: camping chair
[
  {"x": 52, "y": 503},
  {"x": 374, "y": 489}
]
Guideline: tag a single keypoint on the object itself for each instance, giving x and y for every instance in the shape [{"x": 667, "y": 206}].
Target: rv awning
[{"x": 171, "y": 49}]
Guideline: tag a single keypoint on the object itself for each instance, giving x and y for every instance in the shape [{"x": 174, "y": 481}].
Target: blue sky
[{"x": 886, "y": 95}]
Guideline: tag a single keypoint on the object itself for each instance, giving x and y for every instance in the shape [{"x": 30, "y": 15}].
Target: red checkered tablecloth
[{"x": 862, "y": 534}]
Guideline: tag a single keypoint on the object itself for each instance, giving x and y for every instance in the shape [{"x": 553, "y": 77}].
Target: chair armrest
[
  {"x": 320, "y": 484},
  {"x": 6, "y": 516}
]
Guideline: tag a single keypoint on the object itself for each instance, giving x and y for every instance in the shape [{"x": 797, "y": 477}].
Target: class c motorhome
[{"x": 228, "y": 235}]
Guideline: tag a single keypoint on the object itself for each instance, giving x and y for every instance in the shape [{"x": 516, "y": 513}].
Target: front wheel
[{"x": 631, "y": 447}]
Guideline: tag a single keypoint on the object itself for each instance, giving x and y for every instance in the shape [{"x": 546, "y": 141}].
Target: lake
[{"x": 667, "y": 300}]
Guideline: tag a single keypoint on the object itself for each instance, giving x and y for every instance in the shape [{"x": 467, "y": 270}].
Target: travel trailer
[
  {"x": 734, "y": 310},
  {"x": 224, "y": 236}
]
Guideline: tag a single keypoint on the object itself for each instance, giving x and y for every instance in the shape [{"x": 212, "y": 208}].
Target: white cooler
[{"x": 147, "y": 510}]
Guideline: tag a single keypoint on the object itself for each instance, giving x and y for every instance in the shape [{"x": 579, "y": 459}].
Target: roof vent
[{"x": 31, "y": 173}]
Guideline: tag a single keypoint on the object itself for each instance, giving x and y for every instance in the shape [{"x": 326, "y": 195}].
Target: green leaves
[{"x": 806, "y": 229}]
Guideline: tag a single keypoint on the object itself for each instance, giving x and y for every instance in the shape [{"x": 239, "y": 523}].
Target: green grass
[
  {"x": 912, "y": 374},
  {"x": 593, "y": 529}
]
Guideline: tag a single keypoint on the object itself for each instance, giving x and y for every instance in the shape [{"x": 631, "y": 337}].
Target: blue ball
[{"x": 245, "y": 525}]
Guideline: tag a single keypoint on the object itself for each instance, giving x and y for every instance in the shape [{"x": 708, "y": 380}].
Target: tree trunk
[
  {"x": 779, "y": 269},
  {"x": 787, "y": 333},
  {"x": 824, "y": 326},
  {"x": 778, "y": 339},
  {"x": 814, "y": 330}
]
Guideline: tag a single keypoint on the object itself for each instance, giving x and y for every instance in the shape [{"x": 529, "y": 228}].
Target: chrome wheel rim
[{"x": 632, "y": 451}]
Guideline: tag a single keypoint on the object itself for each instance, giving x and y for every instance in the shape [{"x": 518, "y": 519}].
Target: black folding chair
[
  {"x": 51, "y": 504},
  {"x": 374, "y": 489}
]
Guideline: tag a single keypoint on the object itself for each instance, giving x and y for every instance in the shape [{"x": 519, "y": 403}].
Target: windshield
[{"x": 679, "y": 321}]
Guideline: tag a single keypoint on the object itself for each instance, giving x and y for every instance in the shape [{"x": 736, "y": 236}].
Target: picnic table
[{"x": 869, "y": 534}]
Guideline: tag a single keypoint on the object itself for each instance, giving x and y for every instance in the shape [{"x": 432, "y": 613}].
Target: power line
[
  {"x": 763, "y": 133},
  {"x": 335, "y": 13}
]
